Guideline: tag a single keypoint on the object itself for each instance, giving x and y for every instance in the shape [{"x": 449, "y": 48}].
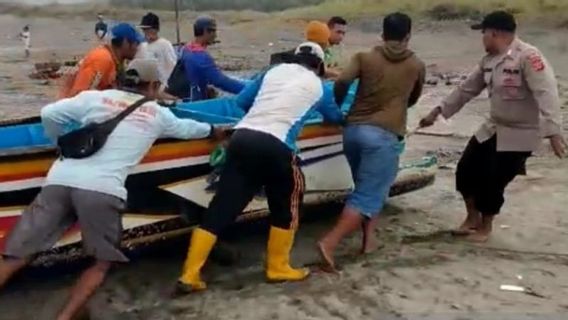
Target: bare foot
[
  {"x": 369, "y": 243},
  {"x": 483, "y": 230},
  {"x": 328, "y": 264},
  {"x": 465, "y": 229},
  {"x": 478, "y": 237},
  {"x": 472, "y": 221},
  {"x": 470, "y": 226}
]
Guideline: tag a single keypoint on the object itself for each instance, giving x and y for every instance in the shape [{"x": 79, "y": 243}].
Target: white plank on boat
[{"x": 325, "y": 176}]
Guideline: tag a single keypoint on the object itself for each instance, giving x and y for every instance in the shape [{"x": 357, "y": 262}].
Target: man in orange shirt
[{"x": 100, "y": 68}]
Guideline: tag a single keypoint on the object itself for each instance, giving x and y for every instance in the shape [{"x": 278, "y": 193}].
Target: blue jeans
[{"x": 373, "y": 155}]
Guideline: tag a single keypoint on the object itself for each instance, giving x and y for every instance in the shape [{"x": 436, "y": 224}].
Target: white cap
[
  {"x": 146, "y": 70},
  {"x": 311, "y": 48}
]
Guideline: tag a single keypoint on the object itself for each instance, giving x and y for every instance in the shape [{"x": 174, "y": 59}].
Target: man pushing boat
[
  {"x": 261, "y": 153},
  {"x": 391, "y": 79},
  {"x": 91, "y": 190}
]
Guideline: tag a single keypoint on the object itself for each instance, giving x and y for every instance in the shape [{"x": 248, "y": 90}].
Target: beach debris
[
  {"x": 432, "y": 82},
  {"x": 520, "y": 277},
  {"x": 505, "y": 227},
  {"x": 449, "y": 166},
  {"x": 512, "y": 288},
  {"x": 402, "y": 295},
  {"x": 525, "y": 290},
  {"x": 51, "y": 70},
  {"x": 434, "y": 133},
  {"x": 446, "y": 155},
  {"x": 533, "y": 293},
  {"x": 448, "y": 78}
]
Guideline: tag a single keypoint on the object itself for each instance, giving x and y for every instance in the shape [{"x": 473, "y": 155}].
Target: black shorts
[
  {"x": 483, "y": 173},
  {"x": 256, "y": 160}
]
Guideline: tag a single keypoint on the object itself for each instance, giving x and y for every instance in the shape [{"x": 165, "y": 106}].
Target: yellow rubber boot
[
  {"x": 202, "y": 242},
  {"x": 278, "y": 267}
]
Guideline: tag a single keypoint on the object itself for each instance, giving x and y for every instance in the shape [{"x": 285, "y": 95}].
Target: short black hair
[
  {"x": 396, "y": 26},
  {"x": 117, "y": 42},
  {"x": 498, "y": 20},
  {"x": 336, "y": 20}
]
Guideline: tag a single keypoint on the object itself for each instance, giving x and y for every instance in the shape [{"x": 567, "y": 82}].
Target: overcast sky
[{"x": 42, "y": 2}]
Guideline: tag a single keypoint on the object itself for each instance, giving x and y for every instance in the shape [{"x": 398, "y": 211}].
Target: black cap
[
  {"x": 150, "y": 21},
  {"x": 497, "y": 20}
]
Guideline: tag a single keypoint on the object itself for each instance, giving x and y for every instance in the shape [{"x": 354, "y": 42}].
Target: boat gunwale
[{"x": 36, "y": 152}]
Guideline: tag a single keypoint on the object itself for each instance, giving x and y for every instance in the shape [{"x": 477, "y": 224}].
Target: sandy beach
[{"x": 420, "y": 271}]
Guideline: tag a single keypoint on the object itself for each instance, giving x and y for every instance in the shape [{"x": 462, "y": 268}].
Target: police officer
[{"x": 525, "y": 107}]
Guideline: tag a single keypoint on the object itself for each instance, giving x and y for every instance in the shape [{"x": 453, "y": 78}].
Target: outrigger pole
[{"x": 176, "y": 5}]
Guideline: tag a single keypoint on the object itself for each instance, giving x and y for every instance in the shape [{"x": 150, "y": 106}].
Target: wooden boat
[{"x": 170, "y": 188}]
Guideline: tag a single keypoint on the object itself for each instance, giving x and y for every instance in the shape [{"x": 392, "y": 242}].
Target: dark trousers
[
  {"x": 255, "y": 160},
  {"x": 483, "y": 173}
]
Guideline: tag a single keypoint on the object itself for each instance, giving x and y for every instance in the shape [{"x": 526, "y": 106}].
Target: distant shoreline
[{"x": 553, "y": 13}]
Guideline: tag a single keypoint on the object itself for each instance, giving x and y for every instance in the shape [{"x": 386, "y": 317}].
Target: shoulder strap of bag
[
  {"x": 126, "y": 112},
  {"x": 112, "y": 123}
]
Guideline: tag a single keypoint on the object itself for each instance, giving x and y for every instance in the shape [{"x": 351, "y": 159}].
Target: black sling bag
[{"x": 86, "y": 141}]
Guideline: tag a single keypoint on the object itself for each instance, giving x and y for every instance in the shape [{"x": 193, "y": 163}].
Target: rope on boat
[{"x": 425, "y": 162}]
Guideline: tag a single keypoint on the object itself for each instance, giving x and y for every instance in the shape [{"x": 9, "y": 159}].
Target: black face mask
[
  {"x": 321, "y": 69},
  {"x": 312, "y": 62}
]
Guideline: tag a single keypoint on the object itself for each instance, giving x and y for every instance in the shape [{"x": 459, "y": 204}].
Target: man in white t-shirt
[
  {"x": 158, "y": 48},
  {"x": 91, "y": 190}
]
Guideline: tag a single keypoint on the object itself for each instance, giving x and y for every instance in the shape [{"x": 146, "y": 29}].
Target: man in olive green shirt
[{"x": 334, "y": 54}]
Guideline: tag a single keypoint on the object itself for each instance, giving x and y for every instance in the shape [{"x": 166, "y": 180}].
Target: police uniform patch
[{"x": 536, "y": 62}]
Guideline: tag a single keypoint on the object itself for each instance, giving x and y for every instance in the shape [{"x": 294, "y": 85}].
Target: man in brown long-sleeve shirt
[
  {"x": 390, "y": 77},
  {"x": 525, "y": 107}
]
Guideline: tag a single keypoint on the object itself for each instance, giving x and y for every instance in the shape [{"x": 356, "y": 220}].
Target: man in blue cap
[
  {"x": 101, "y": 66},
  {"x": 200, "y": 69}
]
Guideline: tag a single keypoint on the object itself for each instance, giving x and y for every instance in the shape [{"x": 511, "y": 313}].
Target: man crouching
[
  {"x": 262, "y": 153},
  {"x": 91, "y": 190}
]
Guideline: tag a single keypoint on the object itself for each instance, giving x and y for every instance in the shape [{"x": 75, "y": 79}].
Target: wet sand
[{"x": 420, "y": 272}]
